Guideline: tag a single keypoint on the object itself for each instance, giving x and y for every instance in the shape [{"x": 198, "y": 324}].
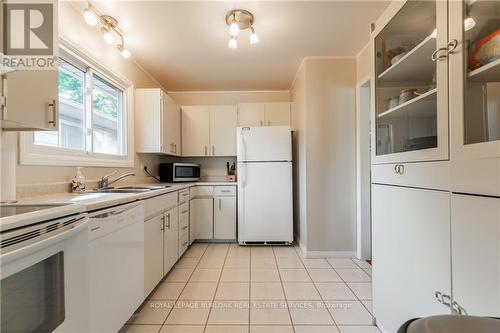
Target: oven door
[
  {"x": 44, "y": 282},
  {"x": 185, "y": 172}
]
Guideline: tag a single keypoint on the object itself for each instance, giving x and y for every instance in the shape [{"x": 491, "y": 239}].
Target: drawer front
[
  {"x": 156, "y": 205},
  {"x": 183, "y": 196},
  {"x": 432, "y": 175},
  {"x": 183, "y": 243},
  {"x": 183, "y": 226},
  {"x": 225, "y": 191},
  {"x": 184, "y": 211},
  {"x": 202, "y": 191}
]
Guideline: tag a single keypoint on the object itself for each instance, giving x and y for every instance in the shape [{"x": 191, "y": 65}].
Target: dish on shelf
[
  {"x": 391, "y": 53},
  {"x": 393, "y": 102},
  {"x": 398, "y": 57},
  {"x": 408, "y": 94},
  {"x": 484, "y": 50}
]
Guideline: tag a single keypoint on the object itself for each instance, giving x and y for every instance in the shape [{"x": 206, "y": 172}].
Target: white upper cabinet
[
  {"x": 264, "y": 114},
  {"x": 475, "y": 97},
  {"x": 251, "y": 114},
  {"x": 157, "y": 122},
  {"x": 410, "y": 86},
  {"x": 30, "y": 100},
  {"x": 278, "y": 114},
  {"x": 209, "y": 130},
  {"x": 223, "y": 123},
  {"x": 195, "y": 130}
]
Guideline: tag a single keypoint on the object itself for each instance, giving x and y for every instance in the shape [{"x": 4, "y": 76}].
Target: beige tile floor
[{"x": 218, "y": 288}]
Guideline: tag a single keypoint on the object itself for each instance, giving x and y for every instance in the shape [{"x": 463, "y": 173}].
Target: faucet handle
[{"x": 109, "y": 175}]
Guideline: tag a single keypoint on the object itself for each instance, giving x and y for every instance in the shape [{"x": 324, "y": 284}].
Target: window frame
[{"x": 34, "y": 154}]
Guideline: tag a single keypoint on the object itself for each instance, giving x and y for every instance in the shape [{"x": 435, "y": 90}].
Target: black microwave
[{"x": 179, "y": 172}]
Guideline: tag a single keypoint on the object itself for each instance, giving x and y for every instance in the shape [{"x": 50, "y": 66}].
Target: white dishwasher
[{"x": 116, "y": 265}]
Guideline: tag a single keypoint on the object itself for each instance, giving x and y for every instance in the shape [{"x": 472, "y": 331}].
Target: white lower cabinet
[
  {"x": 475, "y": 249},
  {"x": 411, "y": 253},
  {"x": 153, "y": 252},
  {"x": 224, "y": 218},
  {"x": 212, "y": 212},
  {"x": 201, "y": 212},
  {"x": 170, "y": 239}
]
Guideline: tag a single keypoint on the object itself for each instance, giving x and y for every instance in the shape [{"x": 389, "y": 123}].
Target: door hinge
[{"x": 3, "y": 106}]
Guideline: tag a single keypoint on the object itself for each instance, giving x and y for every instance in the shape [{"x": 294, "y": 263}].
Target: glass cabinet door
[{"x": 411, "y": 114}]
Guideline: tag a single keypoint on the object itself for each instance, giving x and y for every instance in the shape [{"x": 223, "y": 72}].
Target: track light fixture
[
  {"x": 238, "y": 20},
  {"x": 109, "y": 28}
]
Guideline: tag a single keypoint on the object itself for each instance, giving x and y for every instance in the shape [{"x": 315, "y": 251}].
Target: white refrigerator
[{"x": 265, "y": 213}]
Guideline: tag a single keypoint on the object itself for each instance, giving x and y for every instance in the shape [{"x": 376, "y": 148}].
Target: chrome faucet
[{"x": 104, "y": 182}]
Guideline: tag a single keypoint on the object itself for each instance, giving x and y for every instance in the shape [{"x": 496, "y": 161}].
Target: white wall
[{"x": 324, "y": 116}]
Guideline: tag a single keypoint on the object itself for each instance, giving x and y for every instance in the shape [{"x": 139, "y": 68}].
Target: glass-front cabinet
[
  {"x": 475, "y": 79},
  {"x": 411, "y": 84}
]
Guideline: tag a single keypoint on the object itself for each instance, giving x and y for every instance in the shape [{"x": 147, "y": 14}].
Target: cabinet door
[
  {"x": 475, "y": 97},
  {"x": 171, "y": 125},
  {"x": 411, "y": 253},
  {"x": 201, "y": 212},
  {"x": 195, "y": 130},
  {"x": 225, "y": 218},
  {"x": 32, "y": 100},
  {"x": 475, "y": 253},
  {"x": 223, "y": 122},
  {"x": 251, "y": 114},
  {"x": 153, "y": 253},
  {"x": 171, "y": 240},
  {"x": 278, "y": 114},
  {"x": 410, "y": 90},
  {"x": 149, "y": 121}
]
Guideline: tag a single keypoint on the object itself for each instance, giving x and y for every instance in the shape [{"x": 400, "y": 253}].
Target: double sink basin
[{"x": 131, "y": 189}]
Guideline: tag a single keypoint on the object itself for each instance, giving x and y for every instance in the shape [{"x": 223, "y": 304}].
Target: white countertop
[{"x": 99, "y": 200}]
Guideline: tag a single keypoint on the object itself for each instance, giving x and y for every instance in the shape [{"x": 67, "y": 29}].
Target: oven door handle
[{"x": 78, "y": 226}]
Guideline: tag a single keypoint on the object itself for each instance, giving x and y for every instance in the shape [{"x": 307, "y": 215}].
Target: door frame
[{"x": 363, "y": 170}]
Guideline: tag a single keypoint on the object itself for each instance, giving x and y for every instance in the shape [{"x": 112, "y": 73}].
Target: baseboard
[{"x": 323, "y": 254}]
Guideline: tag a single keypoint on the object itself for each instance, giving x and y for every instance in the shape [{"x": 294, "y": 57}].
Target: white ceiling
[{"x": 183, "y": 44}]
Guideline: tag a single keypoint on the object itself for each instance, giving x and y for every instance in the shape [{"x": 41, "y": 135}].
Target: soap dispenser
[{"x": 78, "y": 182}]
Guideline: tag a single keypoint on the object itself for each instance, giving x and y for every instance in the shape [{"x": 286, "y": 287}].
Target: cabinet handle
[
  {"x": 95, "y": 228},
  {"x": 213, "y": 150},
  {"x": 184, "y": 211},
  {"x": 452, "y": 45},
  {"x": 205, "y": 150},
  {"x": 168, "y": 219},
  {"x": 184, "y": 228},
  {"x": 399, "y": 169},
  {"x": 435, "y": 55},
  {"x": 162, "y": 223},
  {"x": 52, "y": 108}
]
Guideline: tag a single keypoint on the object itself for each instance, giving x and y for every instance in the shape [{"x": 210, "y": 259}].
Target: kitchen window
[{"x": 94, "y": 119}]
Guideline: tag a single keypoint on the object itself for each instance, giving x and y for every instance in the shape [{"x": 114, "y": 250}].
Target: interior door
[
  {"x": 265, "y": 201},
  {"x": 201, "y": 212},
  {"x": 411, "y": 253},
  {"x": 171, "y": 240},
  {"x": 251, "y": 114},
  {"x": 278, "y": 114},
  {"x": 475, "y": 241},
  {"x": 195, "y": 130},
  {"x": 225, "y": 218},
  {"x": 153, "y": 253},
  {"x": 223, "y": 122}
]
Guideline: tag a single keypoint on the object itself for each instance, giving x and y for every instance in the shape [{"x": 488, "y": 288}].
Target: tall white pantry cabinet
[{"x": 435, "y": 162}]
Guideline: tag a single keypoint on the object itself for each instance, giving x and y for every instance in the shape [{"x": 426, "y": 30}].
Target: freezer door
[
  {"x": 265, "y": 202},
  {"x": 273, "y": 143}
]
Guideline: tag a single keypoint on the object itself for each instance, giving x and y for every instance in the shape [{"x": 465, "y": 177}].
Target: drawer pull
[
  {"x": 399, "y": 169},
  {"x": 95, "y": 228},
  {"x": 184, "y": 211},
  {"x": 184, "y": 228},
  {"x": 225, "y": 191}
]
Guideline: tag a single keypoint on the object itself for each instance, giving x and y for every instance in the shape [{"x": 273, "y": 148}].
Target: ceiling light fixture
[
  {"x": 238, "y": 20},
  {"x": 109, "y": 28}
]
